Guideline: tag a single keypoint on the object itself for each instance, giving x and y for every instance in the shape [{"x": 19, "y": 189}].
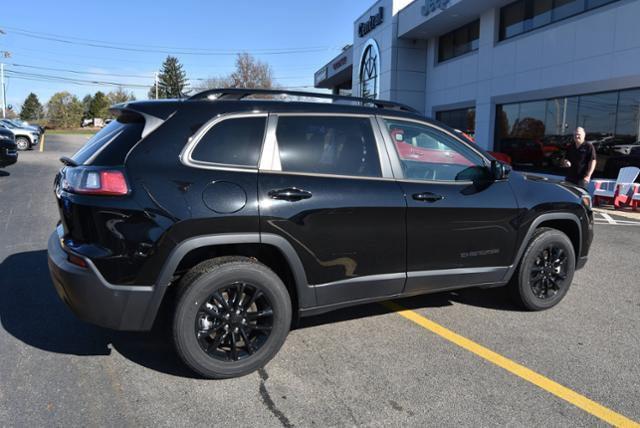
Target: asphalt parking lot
[{"x": 364, "y": 366}]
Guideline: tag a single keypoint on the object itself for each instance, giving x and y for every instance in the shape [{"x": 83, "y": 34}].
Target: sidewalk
[{"x": 628, "y": 213}]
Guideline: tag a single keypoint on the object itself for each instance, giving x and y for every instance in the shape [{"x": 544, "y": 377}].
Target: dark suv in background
[
  {"x": 8, "y": 148},
  {"x": 240, "y": 214}
]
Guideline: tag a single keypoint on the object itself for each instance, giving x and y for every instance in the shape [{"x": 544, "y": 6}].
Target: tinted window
[
  {"x": 526, "y": 15},
  {"x": 328, "y": 145},
  {"x": 461, "y": 119},
  {"x": 111, "y": 144},
  {"x": 429, "y": 154},
  {"x": 459, "y": 42},
  {"x": 232, "y": 142}
]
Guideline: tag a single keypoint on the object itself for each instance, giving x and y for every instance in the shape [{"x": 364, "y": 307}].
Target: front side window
[
  {"x": 328, "y": 145},
  {"x": 427, "y": 153},
  {"x": 232, "y": 142}
]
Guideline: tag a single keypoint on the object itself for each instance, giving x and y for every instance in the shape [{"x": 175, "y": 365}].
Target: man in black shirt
[{"x": 581, "y": 159}]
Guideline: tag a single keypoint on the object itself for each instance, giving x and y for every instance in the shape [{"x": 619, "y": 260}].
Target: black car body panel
[
  {"x": 8, "y": 148},
  {"x": 337, "y": 239}
]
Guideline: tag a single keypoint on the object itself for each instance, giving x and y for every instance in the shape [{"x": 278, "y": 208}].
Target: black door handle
[
  {"x": 289, "y": 194},
  {"x": 427, "y": 197}
]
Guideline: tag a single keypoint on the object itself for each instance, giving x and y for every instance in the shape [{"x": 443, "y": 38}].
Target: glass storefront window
[
  {"x": 536, "y": 134},
  {"x": 462, "y": 119},
  {"x": 628, "y": 118},
  {"x": 597, "y": 114}
]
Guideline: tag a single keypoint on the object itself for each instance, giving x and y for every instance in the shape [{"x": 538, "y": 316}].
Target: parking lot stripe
[{"x": 519, "y": 370}]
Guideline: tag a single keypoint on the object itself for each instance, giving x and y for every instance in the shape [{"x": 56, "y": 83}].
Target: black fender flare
[
  {"x": 532, "y": 228},
  {"x": 306, "y": 294}
]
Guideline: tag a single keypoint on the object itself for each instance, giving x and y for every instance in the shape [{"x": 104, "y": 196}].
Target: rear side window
[
  {"x": 328, "y": 145},
  {"x": 232, "y": 142},
  {"x": 111, "y": 144}
]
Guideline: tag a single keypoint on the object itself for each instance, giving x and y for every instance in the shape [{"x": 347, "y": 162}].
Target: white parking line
[{"x": 608, "y": 218}]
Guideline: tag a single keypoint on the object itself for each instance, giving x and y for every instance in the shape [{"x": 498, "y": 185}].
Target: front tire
[
  {"x": 232, "y": 316},
  {"x": 545, "y": 271},
  {"x": 23, "y": 143}
]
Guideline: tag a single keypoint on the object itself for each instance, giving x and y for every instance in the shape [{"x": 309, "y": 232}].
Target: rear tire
[
  {"x": 23, "y": 143},
  {"x": 545, "y": 271},
  {"x": 232, "y": 316}
]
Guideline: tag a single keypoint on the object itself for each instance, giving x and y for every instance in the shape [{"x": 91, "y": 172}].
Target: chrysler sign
[{"x": 374, "y": 20}]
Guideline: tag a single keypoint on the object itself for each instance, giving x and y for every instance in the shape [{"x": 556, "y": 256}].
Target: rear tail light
[
  {"x": 93, "y": 181},
  {"x": 78, "y": 261}
]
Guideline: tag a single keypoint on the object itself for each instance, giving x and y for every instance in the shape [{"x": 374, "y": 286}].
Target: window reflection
[
  {"x": 526, "y": 15},
  {"x": 536, "y": 134}
]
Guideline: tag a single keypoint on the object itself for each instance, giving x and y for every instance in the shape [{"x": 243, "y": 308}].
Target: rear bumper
[
  {"x": 8, "y": 157},
  {"x": 92, "y": 298}
]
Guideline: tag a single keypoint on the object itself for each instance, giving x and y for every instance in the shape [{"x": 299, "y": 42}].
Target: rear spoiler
[{"x": 153, "y": 113}]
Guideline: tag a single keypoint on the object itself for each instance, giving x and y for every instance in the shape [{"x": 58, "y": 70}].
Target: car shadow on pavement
[
  {"x": 31, "y": 311},
  {"x": 4, "y": 173},
  {"x": 491, "y": 298}
]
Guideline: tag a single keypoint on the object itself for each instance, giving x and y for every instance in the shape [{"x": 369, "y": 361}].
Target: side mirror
[{"x": 499, "y": 170}]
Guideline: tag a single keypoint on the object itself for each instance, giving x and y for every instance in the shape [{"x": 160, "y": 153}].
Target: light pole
[
  {"x": 4, "y": 108},
  {"x": 3, "y": 54},
  {"x": 156, "y": 75}
]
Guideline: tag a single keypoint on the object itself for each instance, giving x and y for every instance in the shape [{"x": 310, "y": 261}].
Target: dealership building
[{"x": 508, "y": 72}]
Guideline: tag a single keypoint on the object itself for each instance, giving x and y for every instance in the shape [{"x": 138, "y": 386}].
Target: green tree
[
  {"x": 172, "y": 80},
  {"x": 64, "y": 110},
  {"x": 99, "y": 106},
  {"x": 31, "y": 109}
]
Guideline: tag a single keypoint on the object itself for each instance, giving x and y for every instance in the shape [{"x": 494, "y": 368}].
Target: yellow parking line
[{"x": 543, "y": 382}]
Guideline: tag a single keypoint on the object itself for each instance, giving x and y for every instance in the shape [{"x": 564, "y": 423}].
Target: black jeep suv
[{"x": 247, "y": 210}]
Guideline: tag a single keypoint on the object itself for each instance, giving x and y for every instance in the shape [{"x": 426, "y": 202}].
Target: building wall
[
  {"x": 592, "y": 52},
  {"x": 402, "y": 62}
]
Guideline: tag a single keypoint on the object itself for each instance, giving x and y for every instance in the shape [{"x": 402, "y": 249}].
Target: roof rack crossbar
[{"x": 240, "y": 93}]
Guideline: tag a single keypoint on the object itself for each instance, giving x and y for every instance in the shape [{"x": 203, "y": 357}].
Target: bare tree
[{"x": 249, "y": 73}]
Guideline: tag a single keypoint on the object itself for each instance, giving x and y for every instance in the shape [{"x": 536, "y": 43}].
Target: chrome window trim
[
  {"x": 187, "y": 152},
  {"x": 271, "y": 147},
  {"x": 315, "y": 174},
  {"x": 269, "y": 159},
  {"x": 395, "y": 157}
]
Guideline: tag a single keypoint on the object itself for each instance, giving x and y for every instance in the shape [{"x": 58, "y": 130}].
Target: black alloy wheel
[
  {"x": 232, "y": 315},
  {"x": 234, "y": 322},
  {"x": 545, "y": 271},
  {"x": 549, "y": 272}
]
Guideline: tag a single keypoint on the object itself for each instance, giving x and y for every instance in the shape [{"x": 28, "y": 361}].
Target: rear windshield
[{"x": 112, "y": 143}]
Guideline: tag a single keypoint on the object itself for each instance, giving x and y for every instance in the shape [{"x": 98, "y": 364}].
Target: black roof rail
[{"x": 240, "y": 93}]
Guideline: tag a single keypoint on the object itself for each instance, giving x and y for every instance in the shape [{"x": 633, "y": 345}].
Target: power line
[
  {"x": 141, "y": 76},
  {"x": 81, "y": 39},
  {"x": 191, "y": 51}
]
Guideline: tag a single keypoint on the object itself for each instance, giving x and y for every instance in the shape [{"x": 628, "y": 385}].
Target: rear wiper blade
[{"x": 68, "y": 161}]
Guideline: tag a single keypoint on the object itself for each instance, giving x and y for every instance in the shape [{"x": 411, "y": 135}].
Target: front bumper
[{"x": 92, "y": 298}]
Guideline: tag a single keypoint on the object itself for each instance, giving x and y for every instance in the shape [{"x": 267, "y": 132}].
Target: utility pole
[
  {"x": 5, "y": 54},
  {"x": 4, "y": 104},
  {"x": 156, "y": 74}
]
